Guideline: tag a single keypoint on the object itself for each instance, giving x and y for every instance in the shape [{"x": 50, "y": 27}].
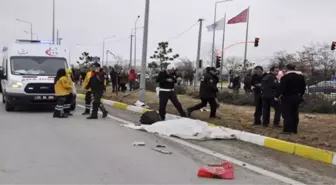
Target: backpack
[{"x": 148, "y": 118}]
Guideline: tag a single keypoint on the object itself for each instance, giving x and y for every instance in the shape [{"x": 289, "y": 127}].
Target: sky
[{"x": 82, "y": 24}]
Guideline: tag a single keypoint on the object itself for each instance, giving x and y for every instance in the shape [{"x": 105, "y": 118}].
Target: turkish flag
[{"x": 241, "y": 18}]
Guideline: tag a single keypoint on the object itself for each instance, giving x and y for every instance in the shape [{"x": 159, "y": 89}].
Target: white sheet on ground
[{"x": 186, "y": 128}]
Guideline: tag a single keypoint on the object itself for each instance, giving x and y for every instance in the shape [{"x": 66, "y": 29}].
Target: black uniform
[
  {"x": 291, "y": 91},
  {"x": 167, "y": 83},
  {"x": 256, "y": 84},
  {"x": 269, "y": 87},
  {"x": 208, "y": 93},
  {"x": 113, "y": 76},
  {"x": 97, "y": 85}
]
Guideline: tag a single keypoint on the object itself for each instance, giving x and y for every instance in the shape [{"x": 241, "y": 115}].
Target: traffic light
[
  {"x": 200, "y": 63},
  {"x": 218, "y": 61},
  {"x": 256, "y": 42},
  {"x": 333, "y": 45}
]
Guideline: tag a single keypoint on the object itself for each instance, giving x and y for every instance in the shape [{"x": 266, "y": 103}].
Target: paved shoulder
[{"x": 35, "y": 148}]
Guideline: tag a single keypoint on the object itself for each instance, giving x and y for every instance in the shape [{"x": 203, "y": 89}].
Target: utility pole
[
  {"x": 198, "y": 53},
  {"x": 53, "y": 26},
  {"x": 144, "y": 54},
  {"x": 57, "y": 38},
  {"x": 135, "y": 40},
  {"x": 130, "y": 64}
]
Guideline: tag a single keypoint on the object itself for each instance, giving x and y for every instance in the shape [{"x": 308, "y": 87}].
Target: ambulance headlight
[{"x": 16, "y": 84}]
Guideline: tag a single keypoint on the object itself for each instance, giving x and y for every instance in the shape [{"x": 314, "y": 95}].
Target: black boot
[
  {"x": 87, "y": 112},
  {"x": 92, "y": 117},
  {"x": 105, "y": 113}
]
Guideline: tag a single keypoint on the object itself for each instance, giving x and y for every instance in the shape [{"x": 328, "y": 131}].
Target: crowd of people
[
  {"x": 281, "y": 89},
  {"x": 119, "y": 78}
]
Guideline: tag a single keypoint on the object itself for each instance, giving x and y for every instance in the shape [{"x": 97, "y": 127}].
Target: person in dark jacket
[
  {"x": 256, "y": 87},
  {"x": 208, "y": 92},
  {"x": 236, "y": 83},
  {"x": 291, "y": 91},
  {"x": 166, "y": 80},
  {"x": 123, "y": 79},
  {"x": 113, "y": 76},
  {"x": 269, "y": 87},
  {"x": 97, "y": 84}
]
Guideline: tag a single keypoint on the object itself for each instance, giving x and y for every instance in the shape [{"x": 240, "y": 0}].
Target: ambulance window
[{"x": 42, "y": 66}]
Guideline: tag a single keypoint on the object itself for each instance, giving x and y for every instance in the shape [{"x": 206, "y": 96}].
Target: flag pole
[
  {"x": 246, "y": 40},
  {"x": 223, "y": 42}
]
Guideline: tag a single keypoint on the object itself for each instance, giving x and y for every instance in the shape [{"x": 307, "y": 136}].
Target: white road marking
[{"x": 220, "y": 156}]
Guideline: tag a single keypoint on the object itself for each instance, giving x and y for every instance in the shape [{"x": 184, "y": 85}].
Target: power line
[{"x": 179, "y": 35}]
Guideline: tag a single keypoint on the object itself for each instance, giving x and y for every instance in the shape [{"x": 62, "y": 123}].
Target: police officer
[
  {"x": 97, "y": 84},
  {"x": 291, "y": 91},
  {"x": 88, "y": 94},
  {"x": 167, "y": 80},
  {"x": 269, "y": 87},
  {"x": 208, "y": 92},
  {"x": 256, "y": 86}
]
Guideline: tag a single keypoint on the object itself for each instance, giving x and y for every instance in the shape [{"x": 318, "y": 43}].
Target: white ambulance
[{"x": 28, "y": 71}]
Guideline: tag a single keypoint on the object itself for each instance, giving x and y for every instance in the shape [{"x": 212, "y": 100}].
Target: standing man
[
  {"x": 167, "y": 80},
  {"x": 269, "y": 87},
  {"x": 113, "y": 76},
  {"x": 256, "y": 87},
  {"x": 88, "y": 93},
  {"x": 97, "y": 84},
  {"x": 291, "y": 91},
  {"x": 208, "y": 92}
]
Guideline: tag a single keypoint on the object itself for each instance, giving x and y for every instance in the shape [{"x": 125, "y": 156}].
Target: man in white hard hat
[{"x": 166, "y": 80}]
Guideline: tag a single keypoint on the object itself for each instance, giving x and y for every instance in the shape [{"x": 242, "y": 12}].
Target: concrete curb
[{"x": 280, "y": 145}]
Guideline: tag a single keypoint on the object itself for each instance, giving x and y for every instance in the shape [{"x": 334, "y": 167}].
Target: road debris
[
  {"x": 223, "y": 171},
  {"x": 139, "y": 143},
  {"x": 162, "y": 151}
]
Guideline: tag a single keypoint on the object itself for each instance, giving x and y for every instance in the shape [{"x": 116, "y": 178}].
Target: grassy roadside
[{"x": 317, "y": 130}]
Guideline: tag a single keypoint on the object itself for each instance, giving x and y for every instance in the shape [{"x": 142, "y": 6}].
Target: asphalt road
[{"x": 37, "y": 149}]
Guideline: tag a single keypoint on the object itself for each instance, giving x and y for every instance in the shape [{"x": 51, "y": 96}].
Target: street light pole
[
  {"x": 214, "y": 31},
  {"x": 102, "y": 62},
  {"x": 198, "y": 53},
  {"x": 135, "y": 40},
  {"x": 31, "y": 27},
  {"x": 144, "y": 54},
  {"x": 33, "y": 34},
  {"x": 130, "y": 64},
  {"x": 53, "y": 26}
]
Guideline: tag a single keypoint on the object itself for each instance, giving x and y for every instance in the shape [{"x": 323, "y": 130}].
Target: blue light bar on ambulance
[{"x": 35, "y": 41}]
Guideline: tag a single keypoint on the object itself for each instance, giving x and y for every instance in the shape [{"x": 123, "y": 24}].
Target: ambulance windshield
[{"x": 41, "y": 66}]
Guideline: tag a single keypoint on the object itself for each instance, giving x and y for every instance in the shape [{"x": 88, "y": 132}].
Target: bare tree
[
  {"x": 326, "y": 59},
  {"x": 308, "y": 59},
  {"x": 187, "y": 69},
  {"x": 233, "y": 63},
  {"x": 282, "y": 58}
]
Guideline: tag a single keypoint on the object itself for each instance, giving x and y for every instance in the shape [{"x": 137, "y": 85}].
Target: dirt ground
[{"x": 317, "y": 130}]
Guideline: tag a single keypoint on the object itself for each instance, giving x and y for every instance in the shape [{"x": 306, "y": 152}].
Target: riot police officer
[
  {"x": 97, "y": 84},
  {"x": 167, "y": 80},
  {"x": 256, "y": 86},
  {"x": 269, "y": 87},
  {"x": 208, "y": 92},
  {"x": 291, "y": 91}
]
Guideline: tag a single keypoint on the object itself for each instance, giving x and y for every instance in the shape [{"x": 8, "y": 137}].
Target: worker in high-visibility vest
[
  {"x": 69, "y": 98},
  {"x": 88, "y": 94}
]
